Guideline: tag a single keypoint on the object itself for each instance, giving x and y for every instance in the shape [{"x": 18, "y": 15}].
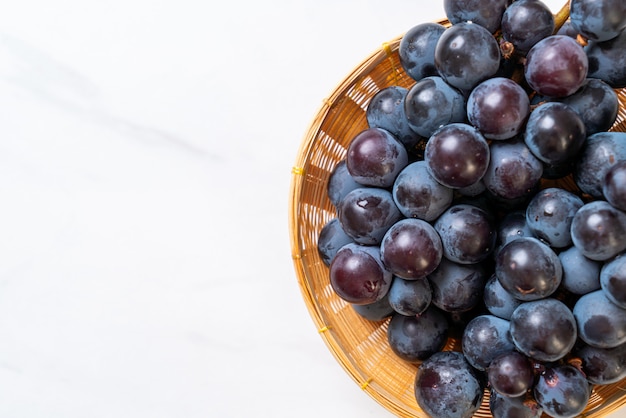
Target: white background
[{"x": 145, "y": 161}]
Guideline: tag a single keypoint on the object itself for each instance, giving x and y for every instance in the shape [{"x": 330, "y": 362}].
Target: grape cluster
[{"x": 487, "y": 203}]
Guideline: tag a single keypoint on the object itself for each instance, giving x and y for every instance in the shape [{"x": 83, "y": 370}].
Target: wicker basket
[{"x": 359, "y": 345}]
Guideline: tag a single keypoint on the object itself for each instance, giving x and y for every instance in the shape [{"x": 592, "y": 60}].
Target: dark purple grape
[
  {"x": 367, "y": 213},
  {"x": 457, "y": 155},
  {"x": 386, "y": 111},
  {"x": 432, "y": 103},
  {"x": 508, "y": 407},
  {"x": 417, "y": 50},
  {"x": 602, "y": 366},
  {"x": 554, "y": 133},
  {"x": 467, "y": 54},
  {"x": 580, "y": 274},
  {"x": 357, "y": 274},
  {"x": 411, "y": 248},
  {"x": 375, "y": 157},
  {"x": 544, "y": 329},
  {"x": 613, "y": 280},
  {"x": 568, "y": 29},
  {"x": 340, "y": 183},
  {"x": 549, "y": 215},
  {"x": 598, "y": 20},
  {"x": 513, "y": 170},
  {"x": 486, "y": 13},
  {"x": 468, "y": 233},
  {"x": 446, "y": 386},
  {"x": 498, "y": 108},
  {"x": 484, "y": 338},
  {"x": 410, "y": 297},
  {"x": 613, "y": 186},
  {"x": 601, "y": 323},
  {"x": 596, "y": 103},
  {"x": 556, "y": 66},
  {"x": 498, "y": 300},
  {"x": 601, "y": 151},
  {"x": 513, "y": 225},
  {"x": 562, "y": 391},
  {"x": 415, "y": 338},
  {"x": 607, "y": 60},
  {"x": 526, "y": 22},
  {"x": 528, "y": 269},
  {"x": 599, "y": 230},
  {"x": 472, "y": 190},
  {"x": 418, "y": 195},
  {"x": 331, "y": 238},
  {"x": 457, "y": 287},
  {"x": 511, "y": 374},
  {"x": 375, "y": 311}
]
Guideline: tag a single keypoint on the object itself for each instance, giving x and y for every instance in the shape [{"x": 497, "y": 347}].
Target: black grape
[
  {"x": 513, "y": 407},
  {"x": 375, "y": 311},
  {"x": 486, "y": 13},
  {"x": 598, "y": 20},
  {"x": 415, "y": 338},
  {"x": 607, "y": 60},
  {"x": 601, "y": 323},
  {"x": 417, "y": 50},
  {"x": 602, "y": 366},
  {"x": 562, "y": 391},
  {"x": 613, "y": 280},
  {"x": 331, "y": 238},
  {"x": 484, "y": 338},
  {"x": 511, "y": 226},
  {"x": 596, "y": 103},
  {"x": 601, "y": 151},
  {"x": 511, "y": 374},
  {"x": 499, "y": 301},
  {"x": 581, "y": 275},
  {"x": 457, "y": 287},
  {"x": 340, "y": 183},
  {"x": 613, "y": 185},
  {"x": 598, "y": 230},
  {"x": 410, "y": 297},
  {"x": 526, "y": 22}
]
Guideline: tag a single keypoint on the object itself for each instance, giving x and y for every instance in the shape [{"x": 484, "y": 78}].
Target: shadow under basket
[{"x": 359, "y": 345}]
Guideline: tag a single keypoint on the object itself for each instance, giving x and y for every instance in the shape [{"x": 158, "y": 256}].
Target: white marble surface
[{"x": 145, "y": 156}]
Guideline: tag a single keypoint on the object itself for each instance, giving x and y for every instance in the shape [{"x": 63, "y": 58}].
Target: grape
[
  {"x": 556, "y": 66},
  {"x": 487, "y": 13},
  {"x": 544, "y": 329},
  {"x": 358, "y": 275},
  {"x": 432, "y": 103},
  {"x": 511, "y": 374},
  {"x": 526, "y": 22},
  {"x": 484, "y": 338},
  {"x": 613, "y": 185},
  {"x": 562, "y": 391},
  {"x": 417, "y": 337},
  {"x": 598, "y": 20},
  {"x": 598, "y": 230},
  {"x": 367, "y": 213},
  {"x": 340, "y": 183},
  {"x": 457, "y": 287},
  {"x": 331, "y": 238},
  {"x": 580, "y": 274},
  {"x": 498, "y": 108},
  {"x": 554, "y": 133},
  {"x": 568, "y": 29},
  {"x": 549, "y": 215},
  {"x": 613, "y": 280},
  {"x": 446, "y": 386},
  {"x": 602, "y": 366},
  {"x": 468, "y": 233},
  {"x": 600, "y": 152},
  {"x": 513, "y": 407},
  {"x": 386, "y": 111},
  {"x": 375, "y": 157},
  {"x": 410, "y": 297},
  {"x": 418, "y": 195},
  {"x": 417, "y": 50},
  {"x": 411, "y": 248},
  {"x": 512, "y": 225},
  {"x": 528, "y": 269},
  {"x": 467, "y": 54},
  {"x": 601, "y": 323},
  {"x": 498, "y": 300},
  {"x": 607, "y": 60},
  {"x": 457, "y": 155},
  {"x": 513, "y": 171},
  {"x": 375, "y": 311}
]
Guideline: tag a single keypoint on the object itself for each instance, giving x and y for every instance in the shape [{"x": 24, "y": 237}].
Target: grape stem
[{"x": 561, "y": 17}]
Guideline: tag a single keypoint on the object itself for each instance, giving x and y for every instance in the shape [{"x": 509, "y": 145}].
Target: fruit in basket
[
  {"x": 598, "y": 20},
  {"x": 526, "y": 22},
  {"x": 562, "y": 391}
]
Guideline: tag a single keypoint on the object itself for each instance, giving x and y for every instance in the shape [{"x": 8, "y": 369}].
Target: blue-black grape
[
  {"x": 418, "y": 195},
  {"x": 432, "y": 103},
  {"x": 581, "y": 275},
  {"x": 607, "y": 60},
  {"x": 410, "y": 297},
  {"x": 411, "y": 248},
  {"x": 358, "y": 275},
  {"x": 498, "y": 107},
  {"x": 598, "y": 20},
  {"x": 544, "y": 329},
  {"x": 417, "y": 50},
  {"x": 417, "y": 337},
  {"x": 375, "y": 157},
  {"x": 562, "y": 391},
  {"x": 526, "y": 22},
  {"x": 457, "y": 287},
  {"x": 513, "y": 407},
  {"x": 602, "y": 366},
  {"x": 331, "y": 238},
  {"x": 499, "y": 301},
  {"x": 484, "y": 338},
  {"x": 511, "y": 374},
  {"x": 367, "y": 213},
  {"x": 375, "y": 311},
  {"x": 596, "y": 103},
  {"x": 613, "y": 186},
  {"x": 467, "y": 54},
  {"x": 457, "y": 155},
  {"x": 598, "y": 230},
  {"x": 601, "y": 323},
  {"x": 511, "y": 226},
  {"x": 487, "y": 13},
  {"x": 446, "y": 386},
  {"x": 601, "y": 151},
  {"x": 613, "y": 280},
  {"x": 340, "y": 183}
]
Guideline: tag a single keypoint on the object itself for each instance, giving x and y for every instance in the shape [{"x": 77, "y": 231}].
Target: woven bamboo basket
[{"x": 359, "y": 345}]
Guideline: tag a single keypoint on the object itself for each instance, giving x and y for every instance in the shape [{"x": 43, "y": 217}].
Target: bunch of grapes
[{"x": 488, "y": 202}]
